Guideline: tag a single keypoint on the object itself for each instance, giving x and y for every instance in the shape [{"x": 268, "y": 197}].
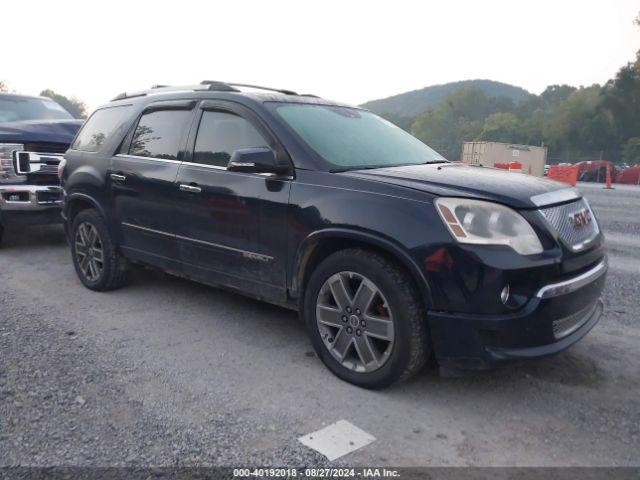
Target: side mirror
[{"x": 255, "y": 160}]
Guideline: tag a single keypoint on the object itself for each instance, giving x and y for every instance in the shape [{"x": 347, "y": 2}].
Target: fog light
[{"x": 504, "y": 294}]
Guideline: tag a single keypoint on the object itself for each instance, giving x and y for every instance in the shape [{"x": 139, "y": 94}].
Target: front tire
[
  {"x": 365, "y": 319},
  {"x": 98, "y": 264}
]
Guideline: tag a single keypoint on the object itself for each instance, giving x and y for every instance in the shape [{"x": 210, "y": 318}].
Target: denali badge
[{"x": 580, "y": 218}]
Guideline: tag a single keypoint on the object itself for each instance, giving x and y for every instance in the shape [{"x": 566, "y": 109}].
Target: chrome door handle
[
  {"x": 190, "y": 188},
  {"x": 117, "y": 178}
]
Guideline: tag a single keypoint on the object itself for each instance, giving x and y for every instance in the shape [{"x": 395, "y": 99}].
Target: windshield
[
  {"x": 15, "y": 109},
  {"x": 351, "y": 139}
]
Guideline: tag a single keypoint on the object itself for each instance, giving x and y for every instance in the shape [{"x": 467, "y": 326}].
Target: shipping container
[{"x": 495, "y": 154}]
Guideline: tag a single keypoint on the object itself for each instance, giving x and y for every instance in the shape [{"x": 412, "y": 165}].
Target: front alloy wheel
[
  {"x": 365, "y": 318},
  {"x": 355, "y": 322}
]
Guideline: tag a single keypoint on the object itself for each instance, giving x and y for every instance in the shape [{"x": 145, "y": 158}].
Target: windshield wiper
[{"x": 372, "y": 167}]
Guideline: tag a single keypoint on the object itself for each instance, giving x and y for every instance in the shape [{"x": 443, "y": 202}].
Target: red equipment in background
[
  {"x": 509, "y": 166},
  {"x": 594, "y": 170},
  {"x": 629, "y": 176},
  {"x": 563, "y": 173}
]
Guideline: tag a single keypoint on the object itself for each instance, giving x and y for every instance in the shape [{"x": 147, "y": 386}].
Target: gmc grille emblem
[{"x": 581, "y": 218}]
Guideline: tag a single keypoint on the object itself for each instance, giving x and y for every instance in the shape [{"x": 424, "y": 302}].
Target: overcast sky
[{"x": 344, "y": 50}]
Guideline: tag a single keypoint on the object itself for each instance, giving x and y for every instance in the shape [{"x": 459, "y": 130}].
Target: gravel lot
[{"x": 169, "y": 372}]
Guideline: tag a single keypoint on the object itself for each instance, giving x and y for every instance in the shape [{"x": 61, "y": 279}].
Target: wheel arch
[
  {"x": 76, "y": 202},
  {"x": 320, "y": 244}
]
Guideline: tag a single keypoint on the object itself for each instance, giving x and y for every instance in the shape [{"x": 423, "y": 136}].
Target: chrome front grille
[
  {"x": 571, "y": 224},
  {"x": 37, "y": 163},
  {"x": 46, "y": 147}
]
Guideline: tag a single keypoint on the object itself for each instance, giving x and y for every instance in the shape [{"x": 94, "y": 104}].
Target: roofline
[
  {"x": 205, "y": 85},
  {"x": 40, "y": 97}
]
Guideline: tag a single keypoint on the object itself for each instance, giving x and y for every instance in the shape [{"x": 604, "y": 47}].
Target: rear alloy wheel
[
  {"x": 366, "y": 319},
  {"x": 88, "y": 251},
  {"x": 98, "y": 264},
  {"x": 355, "y": 322}
]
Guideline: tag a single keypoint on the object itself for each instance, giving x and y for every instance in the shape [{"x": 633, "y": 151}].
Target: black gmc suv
[{"x": 389, "y": 252}]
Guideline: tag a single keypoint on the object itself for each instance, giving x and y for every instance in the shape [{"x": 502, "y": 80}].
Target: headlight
[
  {"x": 7, "y": 172},
  {"x": 487, "y": 223}
]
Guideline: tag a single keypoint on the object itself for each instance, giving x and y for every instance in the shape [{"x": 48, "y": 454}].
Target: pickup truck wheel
[
  {"x": 98, "y": 264},
  {"x": 366, "y": 319}
]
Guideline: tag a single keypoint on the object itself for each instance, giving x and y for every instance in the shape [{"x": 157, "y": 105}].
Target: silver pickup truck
[{"x": 34, "y": 134}]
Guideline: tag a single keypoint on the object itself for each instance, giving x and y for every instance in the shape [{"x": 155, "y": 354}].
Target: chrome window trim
[
  {"x": 137, "y": 157},
  {"x": 573, "y": 284},
  {"x": 557, "y": 196},
  {"x": 204, "y": 165},
  {"x": 245, "y": 253},
  {"x": 225, "y": 169}
]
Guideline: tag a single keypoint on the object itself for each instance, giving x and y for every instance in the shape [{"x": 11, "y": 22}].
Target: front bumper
[
  {"x": 558, "y": 316},
  {"x": 30, "y": 204}
]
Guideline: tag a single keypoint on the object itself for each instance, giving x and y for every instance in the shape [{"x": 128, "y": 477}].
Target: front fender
[{"x": 307, "y": 247}]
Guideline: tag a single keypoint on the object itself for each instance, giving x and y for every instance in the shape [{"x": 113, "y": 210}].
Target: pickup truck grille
[
  {"x": 46, "y": 147},
  {"x": 574, "y": 223}
]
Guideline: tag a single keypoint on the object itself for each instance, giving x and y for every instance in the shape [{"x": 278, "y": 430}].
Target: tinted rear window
[
  {"x": 99, "y": 127},
  {"x": 160, "y": 134}
]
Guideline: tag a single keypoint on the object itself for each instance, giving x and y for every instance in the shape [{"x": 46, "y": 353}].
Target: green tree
[
  {"x": 399, "y": 120},
  {"x": 437, "y": 128},
  {"x": 457, "y": 118},
  {"x": 575, "y": 123},
  {"x": 501, "y": 127},
  {"x": 77, "y": 108},
  {"x": 569, "y": 124},
  {"x": 631, "y": 151}
]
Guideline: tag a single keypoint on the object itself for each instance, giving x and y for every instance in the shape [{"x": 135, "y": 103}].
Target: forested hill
[{"x": 412, "y": 104}]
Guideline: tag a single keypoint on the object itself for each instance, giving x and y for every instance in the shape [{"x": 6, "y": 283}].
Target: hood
[
  {"x": 461, "y": 180},
  {"x": 57, "y": 131}
]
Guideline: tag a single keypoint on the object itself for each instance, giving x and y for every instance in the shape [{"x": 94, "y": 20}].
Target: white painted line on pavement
[{"x": 337, "y": 439}]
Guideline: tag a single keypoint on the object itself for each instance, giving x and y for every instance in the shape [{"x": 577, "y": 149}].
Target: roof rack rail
[
  {"x": 219, "y": 86},
  {"x": 204, "y": 85},
  {"x": 123, "y": 95},
  {"x": 228, "y": 86},
  {"x": 156, "y": 89}
]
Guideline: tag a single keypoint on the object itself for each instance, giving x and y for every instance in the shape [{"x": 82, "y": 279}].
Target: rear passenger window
[
  {"x": 160, "y": 134},
  {"x": 99, "y": 127},
  {"x": 222, "y": 133}
]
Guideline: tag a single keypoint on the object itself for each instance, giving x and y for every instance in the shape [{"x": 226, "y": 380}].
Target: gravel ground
[{"x": 166, "y": 372}]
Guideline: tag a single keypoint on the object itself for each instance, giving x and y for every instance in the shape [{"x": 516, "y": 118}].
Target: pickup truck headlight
[
  {"x": 488, "y": 223},
  {"x": 7, "y": 172}
]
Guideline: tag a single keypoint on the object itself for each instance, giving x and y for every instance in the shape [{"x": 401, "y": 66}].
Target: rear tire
[
  {"x": 98, "y": 264},
  {"x": 384, "y": 339}
]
